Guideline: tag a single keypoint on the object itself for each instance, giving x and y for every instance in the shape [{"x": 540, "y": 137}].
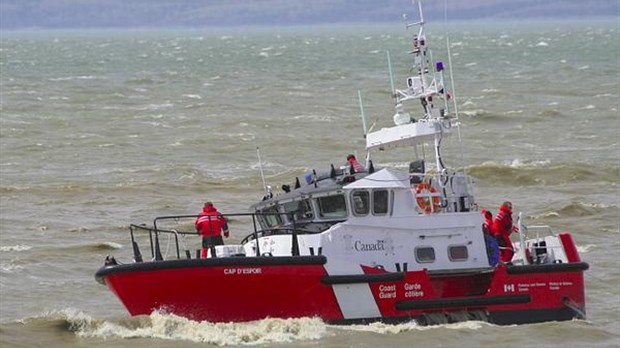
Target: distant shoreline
[{"x": 74, "y": 14}]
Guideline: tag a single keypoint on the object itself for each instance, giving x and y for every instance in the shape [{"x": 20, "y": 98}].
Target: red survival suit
[
  {"x": 488, "y": 221},
  {"x": 501, "y": 230},
  {"x": 210, "y": 224},
  {"x": 490, "y": 240},
  {"x": 357, "y": 167}
]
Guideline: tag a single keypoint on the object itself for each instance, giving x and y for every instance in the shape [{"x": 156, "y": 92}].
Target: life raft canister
[{"x": 427, "y": 198}]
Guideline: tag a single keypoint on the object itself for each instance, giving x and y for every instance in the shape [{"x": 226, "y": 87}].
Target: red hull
[{"x": 233, "y": 290}]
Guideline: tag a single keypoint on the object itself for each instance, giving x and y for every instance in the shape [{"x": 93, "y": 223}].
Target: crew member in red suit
[
  {"x": 210, "y": 224},
  {"x": 488, "y": 221},
  {"x": 502, "y": 228},
  {"x": 490, "y": 241},
  {"x": 357, "y": 167}
]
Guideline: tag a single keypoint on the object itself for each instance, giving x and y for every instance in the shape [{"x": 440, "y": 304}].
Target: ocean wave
[
  {"x": 529, "y": 173},
  {"x": 172, "y": 327},
  {"x": 94, "y": 247},
  {"x": 479, "y": 113},
  {"x": 81, "y": 77},
  {"x": 10, "y": 267},
  {"x": 583, "y": 249},
  {"x": 192, "y": 96},
  {"x": 15, "y": 248},
  {"x": 549, "y": 112},
  {"x": 106, "y": 246},
  {"x": 575, "y": 209}
]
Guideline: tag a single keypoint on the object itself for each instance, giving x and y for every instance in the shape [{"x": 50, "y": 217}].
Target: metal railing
[
  {"x": 156, "y": 232},
  {"x": 537, "y": 234}
]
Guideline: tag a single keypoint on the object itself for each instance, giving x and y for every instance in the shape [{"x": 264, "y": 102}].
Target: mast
[{"x": 426, "y": 85}]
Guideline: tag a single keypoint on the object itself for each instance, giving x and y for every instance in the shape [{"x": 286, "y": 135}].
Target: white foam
[
  {"x": 550, "y": 214},
  {"x": 15, "y": 248},
  {"x": 517, "y": 163},
  {"x": 598, "y": 205},
  {"x": 81, "y": 77},
  {"x": 112, "y": 245},
  {"x": 382, "y": 328},
  {"x": 9, "y": 267},
  {"x": 583, "y": 249},
  {"x": 171, "y": 327},
  {"x": 387, "y": 329}
]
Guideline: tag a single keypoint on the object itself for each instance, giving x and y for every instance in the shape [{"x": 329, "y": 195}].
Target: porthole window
[
  {"x": 360, "y": 202},
  {"x": 458, "y": 253},
  {"x": 425, "y": 254}
]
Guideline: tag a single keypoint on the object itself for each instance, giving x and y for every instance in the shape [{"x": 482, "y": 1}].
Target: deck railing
[
  {"x": 535, "y": 233},
  {"x": 183, "y": 225}
]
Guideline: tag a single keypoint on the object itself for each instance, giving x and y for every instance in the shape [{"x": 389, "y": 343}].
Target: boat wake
[
  {"x": 163, "y": 326},
  {"x": 171, "y": 327},
  {"x": 388, "y": 329}
]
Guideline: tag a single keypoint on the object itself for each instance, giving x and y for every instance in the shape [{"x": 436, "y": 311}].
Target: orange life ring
[{"x": 428, "y": 202}]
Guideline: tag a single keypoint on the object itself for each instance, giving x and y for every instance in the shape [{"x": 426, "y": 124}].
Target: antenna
[
  {"x": 359, "y": 96},
  {"x": 260, "y": 166},
  {"x": 392, "y": 89},
  {"x": 456, "y": 108}
]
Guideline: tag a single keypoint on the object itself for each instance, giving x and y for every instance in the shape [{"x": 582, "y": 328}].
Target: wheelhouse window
[
  {"x": 458, "y": 253},
  {"x": 360, "y": 201},
  {"x": 271, "y": 217},
  {"x": 425, "y": 254},
  {"x": 331, "y": 207},
  {"x": 290, "y": 208},
  {"x": 305, "y": 210},
  {"x": 297, "y": 210},
  {"x": 380, "y": 202}
]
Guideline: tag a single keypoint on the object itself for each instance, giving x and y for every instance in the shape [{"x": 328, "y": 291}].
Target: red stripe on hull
[
  {"x": 498, "y": 291},
  {"x": 228, "y": 293}
]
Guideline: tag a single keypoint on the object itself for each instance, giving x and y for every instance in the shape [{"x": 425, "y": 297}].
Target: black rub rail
[
  {"x": 548, "y": 268},
  {"x": 363, "y": 278},
  {"x": 478, "y": 301}
]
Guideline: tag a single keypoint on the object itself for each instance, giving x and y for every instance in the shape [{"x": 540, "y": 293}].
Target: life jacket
[
  {"x": 357, "y": 167},
  {"x": 210, "y": 222},
  {"x": 502, "y": 225}
]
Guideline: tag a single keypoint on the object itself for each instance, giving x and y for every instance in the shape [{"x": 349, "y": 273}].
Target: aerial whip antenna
[{"x": 260, "y": 166}]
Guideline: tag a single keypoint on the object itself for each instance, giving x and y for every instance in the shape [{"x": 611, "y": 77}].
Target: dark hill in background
[{"x": 16, "y": 14}]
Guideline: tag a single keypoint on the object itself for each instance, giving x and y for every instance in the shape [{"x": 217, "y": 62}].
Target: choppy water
[{"x": 100, "y": 129}]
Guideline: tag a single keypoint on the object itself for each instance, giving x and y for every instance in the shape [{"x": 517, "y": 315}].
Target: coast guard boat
[{"x": 378, "y": 244}]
